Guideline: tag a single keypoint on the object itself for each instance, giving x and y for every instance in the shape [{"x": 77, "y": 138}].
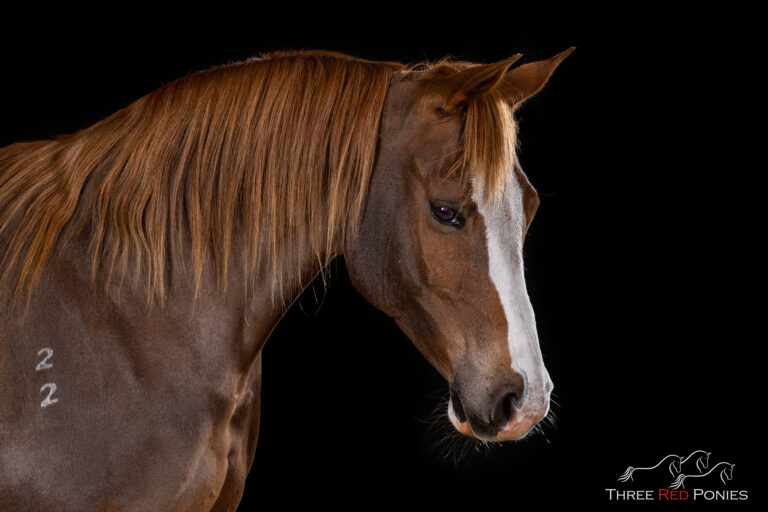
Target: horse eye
[
  {"x": 444, "y": 212},
  {"x": 447, "y": 214}
]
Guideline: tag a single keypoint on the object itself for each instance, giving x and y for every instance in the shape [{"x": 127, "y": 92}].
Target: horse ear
[
  {"x": 473, "y": 81},
  {"x": 523, "y": 82}
]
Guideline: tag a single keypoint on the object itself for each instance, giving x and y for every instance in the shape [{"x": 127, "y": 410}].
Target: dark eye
[{"x": 447, "y": 214}]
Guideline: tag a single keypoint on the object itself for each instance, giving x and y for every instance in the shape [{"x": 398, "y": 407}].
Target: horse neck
[
  {"x": 251, "y": 305},
  {"x": 266, "y": 305},
  {"x": 715, "y": 467}
]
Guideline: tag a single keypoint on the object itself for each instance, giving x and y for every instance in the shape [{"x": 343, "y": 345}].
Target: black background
[{"x": 641, "y": 263}]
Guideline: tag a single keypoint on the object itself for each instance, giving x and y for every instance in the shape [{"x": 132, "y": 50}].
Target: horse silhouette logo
[
  {"x": 693, "y": 466},
  {"x": 694, "y": 477},
  {"x": 674, "y": 467},
  {"x": 701, "y": 462},
  {"x": 726, "y": 475}
]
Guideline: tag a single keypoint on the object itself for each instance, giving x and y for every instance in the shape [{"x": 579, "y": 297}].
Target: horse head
[
  {"x": 727, "y": 473},
  {"x": 439, "y": 244},
  {"x": 676, "y": 466}
]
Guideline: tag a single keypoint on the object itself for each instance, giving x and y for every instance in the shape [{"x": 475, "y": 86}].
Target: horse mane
[{"x": 275, "y": 150}]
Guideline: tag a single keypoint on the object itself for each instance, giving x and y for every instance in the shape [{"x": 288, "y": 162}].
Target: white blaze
[{"x": 504, "y": 219}]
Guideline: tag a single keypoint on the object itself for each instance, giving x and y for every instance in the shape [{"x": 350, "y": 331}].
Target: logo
[{"x": 690, "y": 478}]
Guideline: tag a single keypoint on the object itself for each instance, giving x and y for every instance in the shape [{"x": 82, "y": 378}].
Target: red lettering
[{"x": 666, "y": 494}]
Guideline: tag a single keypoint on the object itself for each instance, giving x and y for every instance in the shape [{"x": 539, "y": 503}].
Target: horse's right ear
[
  {"x": 469, "y": 82},
  {"x": 524, "y": 81}
]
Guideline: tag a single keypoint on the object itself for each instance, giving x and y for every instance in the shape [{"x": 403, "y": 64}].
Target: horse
[
  {"x": 673, "y": 467},
  {"x": 726, "y": 475},
  {"x": 701, "y": 462},
  {"x": 147, "y": 258}
]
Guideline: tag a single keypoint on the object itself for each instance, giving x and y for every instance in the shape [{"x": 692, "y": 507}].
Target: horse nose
[{"x": 490, "y": 413}]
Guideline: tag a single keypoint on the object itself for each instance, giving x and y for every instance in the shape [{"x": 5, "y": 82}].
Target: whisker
[{"x": 447, "y": 444}]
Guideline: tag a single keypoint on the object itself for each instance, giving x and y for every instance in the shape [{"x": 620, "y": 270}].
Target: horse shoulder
[{"x": 143, "y": 403}]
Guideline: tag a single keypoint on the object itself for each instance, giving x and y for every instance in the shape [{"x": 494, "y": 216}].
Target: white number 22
[{"x": 50, "y": 386}]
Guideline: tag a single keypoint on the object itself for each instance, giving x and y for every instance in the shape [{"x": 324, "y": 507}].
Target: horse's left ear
[{"x": 524, "y": 81}]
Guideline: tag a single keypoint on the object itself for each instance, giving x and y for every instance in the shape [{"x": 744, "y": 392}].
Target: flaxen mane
[{"x": 276, "y": 150}]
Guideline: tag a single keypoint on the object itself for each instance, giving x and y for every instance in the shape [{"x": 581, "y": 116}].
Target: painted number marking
[
  {"x": 51, "y": 390},
  {"x": 47, "y": 354},
  {"x": 44, "y": 364}
]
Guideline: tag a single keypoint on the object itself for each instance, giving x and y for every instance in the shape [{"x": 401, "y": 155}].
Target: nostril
[{"x": 506, "y": 407}]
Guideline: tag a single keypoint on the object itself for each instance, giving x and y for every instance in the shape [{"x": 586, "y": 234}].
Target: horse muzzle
[{"x": 507, "y": 414}]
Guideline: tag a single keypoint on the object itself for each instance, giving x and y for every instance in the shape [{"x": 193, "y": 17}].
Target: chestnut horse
[{"x": 146, "y": 260}]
